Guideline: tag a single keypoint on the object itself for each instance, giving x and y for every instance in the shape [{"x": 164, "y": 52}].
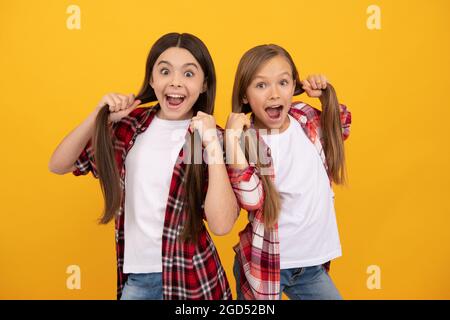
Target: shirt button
[{"x": 303, "y": 119}]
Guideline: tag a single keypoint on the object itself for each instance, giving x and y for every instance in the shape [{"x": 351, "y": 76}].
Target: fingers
[
  {"x": 197, "y": 120},
  {"x": 244, "y": 120},
  {"x": 306, "y": 85},
  {"x": 313, "y": 81},
  {"x": 203, "y": 121},
  {"x": 201, "y": 113},
  {"x": 136, "y": 103},
  {"x": 130, "y": 99},
  {"x": 323, "y": 81},
  {"x": 125, "y": 102},
  {"x": 238, "y": 116},
  {"x": 196, "y": 124},
  {"x": 112, "y": 101},
  {"x": 132, "y": 103},
  {"x": 133, "y": 106},
  {"x": 118, "y": 102},
  {"x": 317, "y": 82},
  {"x": 237, "y": 121},
  {"x": 247, "y": 123},
  {"x": 106, "y": 100}
]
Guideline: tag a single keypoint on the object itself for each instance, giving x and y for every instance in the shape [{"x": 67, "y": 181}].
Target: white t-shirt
[
  {"x": 307, "y": 225},
  {"x": 149, "y": 168}
]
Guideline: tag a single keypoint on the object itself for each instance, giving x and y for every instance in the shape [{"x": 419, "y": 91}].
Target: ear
[
  {"x": 293, "y": 88},
  {"x": 245, "y": 100},
  {"x": 205, "y": 87},
  {"x": 151, "y": 82}
]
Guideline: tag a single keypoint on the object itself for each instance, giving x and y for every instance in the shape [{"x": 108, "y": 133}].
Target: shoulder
[
  {"x": 127, "y": 126},
  {"x": 136, "y": 118},
  {"x": 139, "y": 114},
  {"x": 304, "y": 112}
]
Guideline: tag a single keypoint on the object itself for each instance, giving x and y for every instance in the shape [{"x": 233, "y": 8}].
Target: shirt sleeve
[
  {"x": 346, "y": 121},
  {"x": 86, "y": 162},
  {"x": 247, "y": 187},
  {"x": 312, "y": 118}
]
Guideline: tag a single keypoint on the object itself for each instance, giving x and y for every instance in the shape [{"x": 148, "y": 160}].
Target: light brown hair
[{"x": 248, "y": 67}]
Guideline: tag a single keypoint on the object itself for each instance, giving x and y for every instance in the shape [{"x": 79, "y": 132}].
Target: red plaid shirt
[
  {"x": 190, "y": 271},
  {"x": 258, "y": 249}
]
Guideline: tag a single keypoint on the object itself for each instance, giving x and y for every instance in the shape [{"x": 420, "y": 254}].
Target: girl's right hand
[
  {"x": 234, "y": 128},
  {"x": 120, "y": 105},
  {"x": 236, "y": 123}
]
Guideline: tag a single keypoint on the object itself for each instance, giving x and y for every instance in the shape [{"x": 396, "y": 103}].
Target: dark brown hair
[
  {"x": 195, "y": 173},
  {"x": 248, "y": 67}
]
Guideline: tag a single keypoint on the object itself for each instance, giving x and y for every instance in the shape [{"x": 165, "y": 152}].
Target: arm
[
  {"x": 346, "y": 120},
  {"x": 245, "y": 181},
  {"x": 221, "y": 208},
  {"x": 73, "y": 145},
  {"x": 67, "y": 152},
  {"x": 314, "y": 86},
  {"x": 220, "y": 203}
]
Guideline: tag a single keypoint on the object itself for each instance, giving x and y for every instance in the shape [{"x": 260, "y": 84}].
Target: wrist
[
  {"x": 210, "y": 137},
  {"x": 233, "y": 132},
  {"x": 214, "y": 153},
  {"x": 212, "y": 143}
]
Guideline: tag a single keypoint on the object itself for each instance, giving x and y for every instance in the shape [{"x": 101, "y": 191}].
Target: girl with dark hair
[{"x": 155, "y": 186}]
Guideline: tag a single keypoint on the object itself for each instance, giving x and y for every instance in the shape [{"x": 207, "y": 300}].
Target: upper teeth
[
  {"x": 273, "y": 106},
  {"x": 175, "y": 96}
]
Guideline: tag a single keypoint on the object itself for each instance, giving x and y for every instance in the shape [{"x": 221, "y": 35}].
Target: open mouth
[
  {"x": 274, "y": 112},
  {"x": 174, "y": 100}
]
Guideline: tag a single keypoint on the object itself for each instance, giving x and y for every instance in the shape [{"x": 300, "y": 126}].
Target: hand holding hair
[
  {"x": 314, "y": 84},
  {"x": 236, "y": 123},
  {"x": 205, "y": 124},
  {"x": 119, "y": 105}
]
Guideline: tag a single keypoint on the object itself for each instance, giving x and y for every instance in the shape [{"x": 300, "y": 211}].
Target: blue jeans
[
  {"x": 143, "y": 286},
  {"x": 307, "y": 283}
]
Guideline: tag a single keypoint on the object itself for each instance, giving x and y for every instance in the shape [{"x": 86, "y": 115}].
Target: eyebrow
[
  {"x": 281, "y": 74},
  {"x": 184, "y": 65}
]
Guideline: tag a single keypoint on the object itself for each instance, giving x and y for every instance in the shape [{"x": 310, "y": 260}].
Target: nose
[
  {"x": 274, "y": 94},
  {"x": 176, "y": 80}
]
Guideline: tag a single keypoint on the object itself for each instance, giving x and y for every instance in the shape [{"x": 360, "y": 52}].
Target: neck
[
  {"x": 160, "y": 114},
  {"x": 260, "y": 125}
]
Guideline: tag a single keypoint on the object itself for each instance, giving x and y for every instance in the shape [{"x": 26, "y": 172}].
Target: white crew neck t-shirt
[
  {"x": 307, "y": 226},
  {"x": 150, "y": 164}
]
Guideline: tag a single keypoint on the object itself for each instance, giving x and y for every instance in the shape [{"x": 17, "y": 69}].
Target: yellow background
[{"x": 395, "y": 211}]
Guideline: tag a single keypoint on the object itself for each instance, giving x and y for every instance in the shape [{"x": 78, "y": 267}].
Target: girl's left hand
[
  {"x": 205, "y": 124},
  {"x": 314, "y": 84}
]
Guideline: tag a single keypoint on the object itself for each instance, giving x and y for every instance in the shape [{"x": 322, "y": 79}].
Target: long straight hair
[
  {"x": 248, "y": 67},
  {"x": 195, "y": 173}
]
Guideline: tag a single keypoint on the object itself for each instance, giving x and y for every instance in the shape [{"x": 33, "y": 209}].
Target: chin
[
  {"x": 277, "y": 125},
  {"x": 176, "y": 114}
]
